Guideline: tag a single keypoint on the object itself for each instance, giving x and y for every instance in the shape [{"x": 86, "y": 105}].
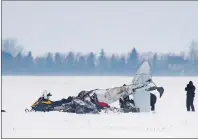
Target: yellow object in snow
[
  {"x": 36, "y": 103},
  {"x": 43, "y": 102},
  {"x": 46, "y": 102}
]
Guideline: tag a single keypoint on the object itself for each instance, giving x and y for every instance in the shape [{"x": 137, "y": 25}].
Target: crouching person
[{"x": 127, "y": 105}]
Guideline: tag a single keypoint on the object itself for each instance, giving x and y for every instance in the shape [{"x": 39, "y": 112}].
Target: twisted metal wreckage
[{"x": 98, "y": 100}]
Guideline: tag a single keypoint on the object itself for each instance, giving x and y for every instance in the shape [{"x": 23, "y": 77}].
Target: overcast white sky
[{"x": 116, "y": 26}]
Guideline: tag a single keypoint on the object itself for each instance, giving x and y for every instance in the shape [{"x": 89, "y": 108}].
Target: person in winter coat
[
  {"x": 190, "y": 88},
  {"x": 124, "y": 100},
  {"x": 153, "y": 100}
]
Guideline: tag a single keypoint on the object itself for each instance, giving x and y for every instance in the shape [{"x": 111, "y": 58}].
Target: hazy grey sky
[{"x": 87, "y": 26}]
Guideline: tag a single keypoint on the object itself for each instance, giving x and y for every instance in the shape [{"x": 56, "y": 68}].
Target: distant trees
[
  {"x": 193, "y": 52},
  {"x": 7, "y": 62},
  {"x": 102, "y": 62},
  {"x": 114, "y": 63},
  {"x": 133, "y": 61},
  {"x": 58, "y": 62},
  {"x": 193, "y": 57},
  {"x": 81, "y": 64},
  {"x": 90, "y": 62},
  {"x": 11, "y": 46},
  {"x": 69, "y": 62},
  {"x": 14, "y": 61}
]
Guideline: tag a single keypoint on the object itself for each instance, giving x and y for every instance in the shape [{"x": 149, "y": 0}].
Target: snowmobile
[{"x": 42, "y": 104}]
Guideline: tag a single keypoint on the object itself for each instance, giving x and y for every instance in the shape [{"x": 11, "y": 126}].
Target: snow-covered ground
[{"x": 170, "y": 120}]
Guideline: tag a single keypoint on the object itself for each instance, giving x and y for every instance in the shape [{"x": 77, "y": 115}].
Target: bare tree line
[{"x": 15, "y": 61}]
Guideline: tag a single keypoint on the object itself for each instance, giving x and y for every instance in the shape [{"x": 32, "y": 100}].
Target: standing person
[
  {"x": 190, "y": 88},
  {"x": 153, "y": 98},
  {"x": 153, "y": 101}
]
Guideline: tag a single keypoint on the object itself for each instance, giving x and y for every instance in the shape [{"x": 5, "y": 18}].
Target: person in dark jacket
[
  {"x": 123, "y": 101},
  {"x": 153, "y": 100},
  {"x": 190, "y": 88}
]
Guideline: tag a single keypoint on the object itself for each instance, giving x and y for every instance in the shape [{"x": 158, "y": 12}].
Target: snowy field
[{"x": 170, "y": 120}]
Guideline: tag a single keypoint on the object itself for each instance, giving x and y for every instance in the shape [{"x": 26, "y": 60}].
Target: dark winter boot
[
  {"x": 193, "y": 108},
  {"x": 188, "y": 108}
]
